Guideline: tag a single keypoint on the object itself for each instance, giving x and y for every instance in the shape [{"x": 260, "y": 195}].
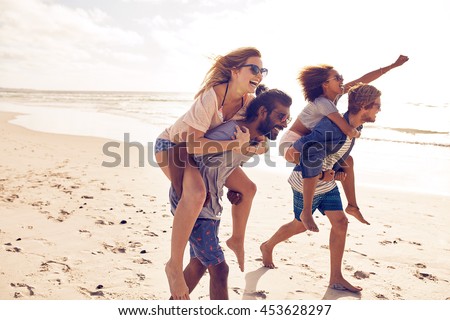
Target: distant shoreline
[{"x": 92, "y": 91}]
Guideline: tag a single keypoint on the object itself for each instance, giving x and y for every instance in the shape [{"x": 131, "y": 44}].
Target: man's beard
[{"x": 266, "y": 128}]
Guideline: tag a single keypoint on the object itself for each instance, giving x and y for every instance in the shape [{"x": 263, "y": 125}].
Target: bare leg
[
  {"x": 218, "y": 284},
  {"x": 175, "y": 163},
  {"x": 283, "y": 233},
  {"x": 309, "y": 185},
  {"x": 338, "y": 235},
  {"x": 186, "y": 213},
  {"x": 238, "y": 181},
  {"x": 348, "y": 185},
  {"x": 193, "y": 272},
  {"x": 162, "y": 160}
]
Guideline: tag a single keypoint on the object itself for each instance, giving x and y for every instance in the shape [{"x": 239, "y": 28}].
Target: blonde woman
[{"x": 227, "y": 89}]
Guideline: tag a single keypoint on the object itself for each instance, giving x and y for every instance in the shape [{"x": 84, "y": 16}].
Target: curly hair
[
  {"x": 362, "y": 96},
  {"x": 311, "y": 79},
  {"x": 220, "y": 72}
]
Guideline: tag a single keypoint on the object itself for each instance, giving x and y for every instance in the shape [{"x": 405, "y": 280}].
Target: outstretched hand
[{"x": 400, "y": 61}]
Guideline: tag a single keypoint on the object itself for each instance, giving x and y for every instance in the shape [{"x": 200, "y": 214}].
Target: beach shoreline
[{"x": 74, "y": 229}]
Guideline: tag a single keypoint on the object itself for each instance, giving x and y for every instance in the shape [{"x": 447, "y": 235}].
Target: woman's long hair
[{"x": 220, "y": 71}]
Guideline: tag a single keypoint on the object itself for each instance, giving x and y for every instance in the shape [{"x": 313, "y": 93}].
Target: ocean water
[
  {"x": 410, "y": 141},
  {"x": 409, "y": 122}
]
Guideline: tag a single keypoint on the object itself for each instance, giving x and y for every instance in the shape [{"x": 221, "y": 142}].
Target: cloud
[
  {"x": 45, "y": 37},
  {"x": 166, "y": 45}
]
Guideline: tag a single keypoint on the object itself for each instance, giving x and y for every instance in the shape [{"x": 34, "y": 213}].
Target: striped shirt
[{"x": 296, "y": 178}]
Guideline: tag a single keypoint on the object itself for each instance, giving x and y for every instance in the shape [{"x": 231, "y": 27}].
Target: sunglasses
[
  {"x": 283, "y": 117},
  {"x": 255, "y": 69},
  {"x": 337, "y": 77}
]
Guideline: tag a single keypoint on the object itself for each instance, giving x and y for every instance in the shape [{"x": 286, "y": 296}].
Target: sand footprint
[
  {"x": 362, "y": 274},
  {"x": 255, "y": 295},
  {"x": 135, "y": 244},
  {"x": 423, "y": 275},
  {"x": 150, "y": 234},
  {"x": 420, "y": 265},
  {"x": 49, "y": 266},
  {"x": 19, "y": 294},
  {"x": 349, "y": 268},
  {"x": 85, "y": 233},
  {"x": 142, "y": 261},
  {"x": 396, "y": 288},
  {"x": 103, "y": 222},
  {"x": 56, "y": 272},
  {"x": 10, "y": 248},
  {"x": 119, "y": 248},
  {"x": 90, "y": 293}
]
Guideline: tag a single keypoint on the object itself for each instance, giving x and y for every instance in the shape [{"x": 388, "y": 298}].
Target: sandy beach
[{"x": 74, "y": 229}]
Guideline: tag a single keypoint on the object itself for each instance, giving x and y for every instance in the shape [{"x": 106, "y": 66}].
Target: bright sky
[{"x": 165, "y": 45}]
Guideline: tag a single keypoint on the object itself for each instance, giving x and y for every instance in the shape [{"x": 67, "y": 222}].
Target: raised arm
[{"x": 373, "y": 75}]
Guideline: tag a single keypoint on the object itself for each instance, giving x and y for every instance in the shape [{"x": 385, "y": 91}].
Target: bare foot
[
  {"x": 238, "y": 248},
  {"x": 354, "y": 211},
  {"x": 178, "y": 288},
  {"x": 344, "y": 285},
  {"x": 308, "y": 222},
  {"x": 267, "y": 255}
]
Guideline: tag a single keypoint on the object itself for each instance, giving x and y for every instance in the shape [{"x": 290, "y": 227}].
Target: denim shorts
[
  {"x": 204, "y": 242},
  {"x": 328, "y": 201},
  {"x": 163, "y": 145}
]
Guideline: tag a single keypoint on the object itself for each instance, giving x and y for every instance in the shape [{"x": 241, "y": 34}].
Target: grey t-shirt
[
  {"x": 215, "y": 169},
  {"x": 315, "y": 111}
]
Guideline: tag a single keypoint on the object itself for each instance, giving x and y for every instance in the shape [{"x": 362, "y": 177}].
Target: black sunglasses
[
  {"x": 283, "y": 117},
  {"x": 337, "y": 77},
  {"x": 255, "y": 69}
]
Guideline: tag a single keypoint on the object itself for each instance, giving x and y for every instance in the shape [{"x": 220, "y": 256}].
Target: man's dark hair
[{"x": 268, "y": 98}]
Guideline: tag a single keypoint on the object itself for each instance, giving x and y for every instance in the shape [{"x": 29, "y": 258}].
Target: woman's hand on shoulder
[{"x": 242, "y": 136}]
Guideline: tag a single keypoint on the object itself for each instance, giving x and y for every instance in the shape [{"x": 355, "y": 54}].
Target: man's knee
[
  {"x": 341, "y": 224},
  {"x": 219, "y": 272}
]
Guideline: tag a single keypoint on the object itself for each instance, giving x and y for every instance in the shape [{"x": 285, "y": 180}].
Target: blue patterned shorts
[
  {"x": 204, "y": 242},
  {"x": 163, "y": 145},
  {"x": 328, "y": 201}
]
